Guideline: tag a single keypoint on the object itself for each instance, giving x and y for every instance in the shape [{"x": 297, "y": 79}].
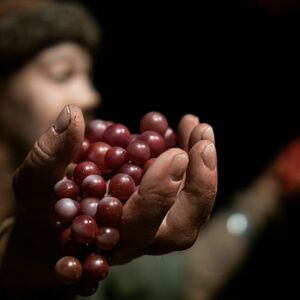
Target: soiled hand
[{"x": 165, "y": 214}]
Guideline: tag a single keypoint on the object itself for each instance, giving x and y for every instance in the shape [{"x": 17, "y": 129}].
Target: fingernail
[
  {"x": 193, "y": 118},
  {"x": 209, "y": 156},
  {"x": 178, "y": 167},
  {"x": 63, "y": 120},
  {"x": 196, "y": 119},
  {"x": 208, "y": 134}
]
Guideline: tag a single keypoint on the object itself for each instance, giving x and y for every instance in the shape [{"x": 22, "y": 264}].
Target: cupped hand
[
  {"x": 175, "y": 197},
  {"x": 165, "y": 214}
]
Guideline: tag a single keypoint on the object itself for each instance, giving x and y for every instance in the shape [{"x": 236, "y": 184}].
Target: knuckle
[
  {"x": 157, "y": 190},
  {"x": 163, "y": 193},
  {"x": 207, "y": 193},
  {"x": 211, "y": 194},
  {"x": 164, "y": 197},
  {"x": 40, "y": 154}
]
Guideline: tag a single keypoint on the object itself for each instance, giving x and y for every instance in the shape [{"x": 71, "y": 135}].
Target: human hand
[
  {"x": 32, "y": 251},
  {"x": 175, "y": 197},
  {"x": 157, "y": 219}
]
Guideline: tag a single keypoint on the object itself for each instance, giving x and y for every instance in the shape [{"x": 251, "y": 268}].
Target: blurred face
[{"x": 34, "y": 96}]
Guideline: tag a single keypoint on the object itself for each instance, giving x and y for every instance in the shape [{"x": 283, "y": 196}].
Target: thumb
[{"x": 46, "y": 162}]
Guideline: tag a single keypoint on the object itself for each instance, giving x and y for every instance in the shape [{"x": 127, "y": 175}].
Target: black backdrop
[{"x": 235, "y": 67}]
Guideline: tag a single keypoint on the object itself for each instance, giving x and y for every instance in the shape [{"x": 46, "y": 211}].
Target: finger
[
  {"x": 46, "y": 162},
  {"x": 181, "y": 226},
  {"x": 185, "y": 127},
  {"x": 145, "y": 210},
  {"x": 202, "y": 131}
]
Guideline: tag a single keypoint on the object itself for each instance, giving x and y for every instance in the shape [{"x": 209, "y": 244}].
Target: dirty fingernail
[
  {"x": 63, "y": 120},
  {"x": 178, "y": 166}
]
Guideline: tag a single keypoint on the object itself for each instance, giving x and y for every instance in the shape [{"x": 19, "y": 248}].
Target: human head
[{"x": 46, "y": 53}]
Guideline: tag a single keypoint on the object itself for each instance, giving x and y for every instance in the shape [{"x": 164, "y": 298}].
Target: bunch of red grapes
[{"x": 89, "y": 203}]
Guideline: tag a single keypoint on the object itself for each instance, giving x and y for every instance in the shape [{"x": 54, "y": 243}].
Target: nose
[{"x": 84, "y": 95}]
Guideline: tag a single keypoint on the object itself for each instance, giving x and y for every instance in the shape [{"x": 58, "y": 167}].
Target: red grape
[
  {"x": 66, "y": 210},
  {"x": 83, "y": 170},
  {"x": 95, "y": 129},
  {"x": 81, "y": 154},
  {"x": 121, "y": 186},
  {"x": 109, "y": 211},
  {"x": 68, "y": 269},
  {"x": 138, "y": 152},
  {"x": 67, "y": 245},
  {"x": 154, "y": 121},
  {"x": 66, "y": 188},
  {"x": 115, "y": 158},
  {"x": 111, "y": 160},
  {"x": 170, "y": 138},
  {"x": 117, "y": 135},
  {"x": 107, "y": 238},
  {"x": 93, "y": 186},
  {"x": 83, "y": 229},
  {"x": 134, "y": 171},
  {"x": 95, "y": 267},
  {"x": 96, "y": 154},
  {"x": 89, "y": 207},
  {"x": 155, "y": 141}
]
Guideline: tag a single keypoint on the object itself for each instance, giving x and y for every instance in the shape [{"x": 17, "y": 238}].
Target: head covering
[{"x": 29, "y": 26}]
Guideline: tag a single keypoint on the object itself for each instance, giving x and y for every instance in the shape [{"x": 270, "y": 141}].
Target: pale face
[{"x": 35, "y": 95}]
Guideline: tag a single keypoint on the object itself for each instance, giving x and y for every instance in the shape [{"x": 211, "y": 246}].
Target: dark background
[{"x": 237, "y": 67}]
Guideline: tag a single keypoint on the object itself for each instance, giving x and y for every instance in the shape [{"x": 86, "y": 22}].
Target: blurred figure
[{"x": 63, "y": 69}]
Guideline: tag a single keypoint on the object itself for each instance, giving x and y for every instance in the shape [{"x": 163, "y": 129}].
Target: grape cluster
[{"x": 89, "y": 202}]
